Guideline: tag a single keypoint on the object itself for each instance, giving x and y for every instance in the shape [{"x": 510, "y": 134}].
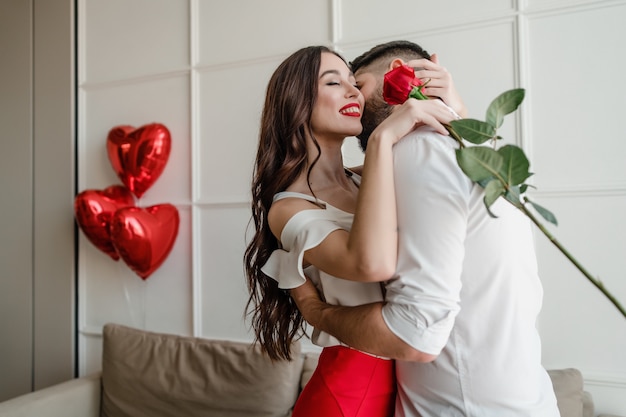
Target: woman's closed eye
[{"x": 331, "y": 83}]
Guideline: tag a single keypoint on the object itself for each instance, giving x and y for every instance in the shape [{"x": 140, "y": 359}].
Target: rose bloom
[{"x": 401, "y": 83}]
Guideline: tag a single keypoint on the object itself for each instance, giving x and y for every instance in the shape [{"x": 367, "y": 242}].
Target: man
[{"x": 461, "y": 310}]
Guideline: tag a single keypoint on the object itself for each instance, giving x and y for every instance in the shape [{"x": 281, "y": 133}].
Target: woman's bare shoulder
[{"x": 284, "y": 209}]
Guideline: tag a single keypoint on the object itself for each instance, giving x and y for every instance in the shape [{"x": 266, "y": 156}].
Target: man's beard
[{"x": 376, "y": 110}]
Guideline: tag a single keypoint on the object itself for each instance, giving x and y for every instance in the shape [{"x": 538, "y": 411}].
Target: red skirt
[{"x": 348, "y": 383}]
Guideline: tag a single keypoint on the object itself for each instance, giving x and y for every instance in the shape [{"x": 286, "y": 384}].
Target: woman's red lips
[{"x": 352, "y": 109}]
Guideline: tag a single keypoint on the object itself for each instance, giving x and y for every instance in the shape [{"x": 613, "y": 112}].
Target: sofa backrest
[
  {"x": 572, "y": 400},
  {"x": 157, "y": 375},
  {"x": 154, "y": 374}
]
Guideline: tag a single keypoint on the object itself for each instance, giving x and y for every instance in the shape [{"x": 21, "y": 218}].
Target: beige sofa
[{"x": 153, "y": 374}]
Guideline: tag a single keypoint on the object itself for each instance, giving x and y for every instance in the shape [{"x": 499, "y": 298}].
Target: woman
[{"x": 312, "y": 216}]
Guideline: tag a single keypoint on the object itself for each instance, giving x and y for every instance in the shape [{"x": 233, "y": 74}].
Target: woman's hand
[
  {"x": 440, "y": 83},
  {"x": 410, "y": 115}
]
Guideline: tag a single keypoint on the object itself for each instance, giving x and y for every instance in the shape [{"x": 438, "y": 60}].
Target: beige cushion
[
  {"x": 588, "y": 406},
  {"x": 152, "y": 374},
  {"x": 568, "y": 387}
]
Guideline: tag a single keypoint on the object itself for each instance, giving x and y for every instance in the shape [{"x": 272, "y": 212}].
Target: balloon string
[
  {"x": 135, "y": 295},
  {"x": 144, "y": 290},
  {"x": 127, "y": 296}
]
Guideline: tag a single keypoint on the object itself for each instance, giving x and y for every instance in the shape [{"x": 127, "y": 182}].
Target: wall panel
[
  {"x": 244, "y": 30},
  {"x": 387, "y": 20},
  {"x": 579, "y": 327},
  {"x": 571, "y": 75},
  {"x": 133, "y": 38},
  {"x": 559, "y": 5},
  {"x": 223, "y": 286},
  {"x": 92, "y": 363},
  {"x": 229, "y": 112},
  {"x": 574, "y": 310}
]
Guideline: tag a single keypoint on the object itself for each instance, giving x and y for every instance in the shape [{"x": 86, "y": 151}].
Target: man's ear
[{"x": 397, "y": 62}]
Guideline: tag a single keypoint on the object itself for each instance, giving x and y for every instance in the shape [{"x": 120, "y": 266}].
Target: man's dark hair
[{"x": 405, "y": 49}]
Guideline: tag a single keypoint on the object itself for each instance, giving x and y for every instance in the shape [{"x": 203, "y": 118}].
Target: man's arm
[{"x": 361, "y": 327}]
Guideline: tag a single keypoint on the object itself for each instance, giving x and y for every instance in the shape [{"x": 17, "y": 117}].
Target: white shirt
[{"x": 467, "y": 289}]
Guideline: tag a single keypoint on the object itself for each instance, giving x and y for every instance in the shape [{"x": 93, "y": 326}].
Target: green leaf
[
  {"x": 513, "y": 195},
  {"x": 515, "y": 167},
  {"x": 479, "y": 162},
  {"x": 485, "y": 181},
  {"x": 490, "y": 212},
  {"x": 493, "y": 190},
  {"x": 545, "y": 213},
  {"x": 504, "y": 104},
  {"x": 472, "y": 130}
]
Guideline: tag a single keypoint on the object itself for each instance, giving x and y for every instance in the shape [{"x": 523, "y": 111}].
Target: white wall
[{"x": 201, "y": 67}]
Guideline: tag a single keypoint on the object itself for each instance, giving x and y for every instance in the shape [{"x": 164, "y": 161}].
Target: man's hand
[
  {"x": 440, "y": 83},
  {"x": 308, "y": 300}
]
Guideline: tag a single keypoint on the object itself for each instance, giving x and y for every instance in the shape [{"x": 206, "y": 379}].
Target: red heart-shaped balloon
[
  {"x": 138, "y": 156},
  {"x": 144, "y": 237},
  {"x": 94, "y": 209}
]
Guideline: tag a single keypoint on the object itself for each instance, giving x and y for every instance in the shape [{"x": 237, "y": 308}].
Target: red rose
[{"x": 400, "y": 83}]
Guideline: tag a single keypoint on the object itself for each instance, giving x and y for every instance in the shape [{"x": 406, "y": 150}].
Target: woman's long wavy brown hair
[{"x": 281, "y": 158}]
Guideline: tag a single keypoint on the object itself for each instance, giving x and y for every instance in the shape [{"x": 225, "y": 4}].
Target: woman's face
[{"x": 337, "y": 110}]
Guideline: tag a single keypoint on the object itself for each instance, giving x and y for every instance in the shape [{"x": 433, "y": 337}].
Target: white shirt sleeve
[
  {"x": 432, "y": 199},
  {"x": 305, "y": 230}
]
